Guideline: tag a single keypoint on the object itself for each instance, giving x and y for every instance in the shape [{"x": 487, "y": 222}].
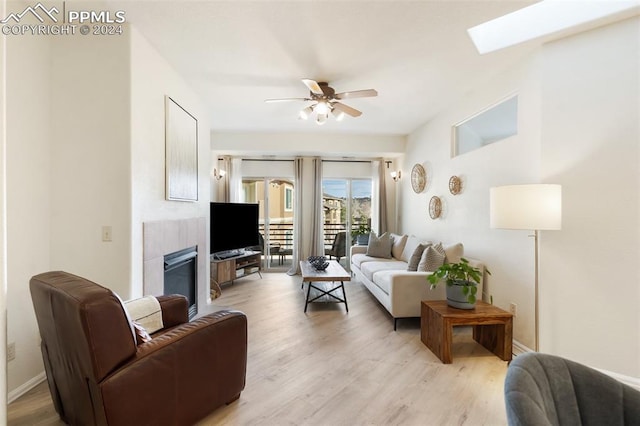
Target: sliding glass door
[
  {"x": 346, "y": 205},
  {"x": 275, "y": 197}
]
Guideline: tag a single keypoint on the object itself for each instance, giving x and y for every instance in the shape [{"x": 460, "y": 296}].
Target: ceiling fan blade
[
  {"x": 346, "y": 109},
  {"x": 356, "y": 94},
  {"x": 313, "y": 86},
  {"x": 287, "y": 99}
]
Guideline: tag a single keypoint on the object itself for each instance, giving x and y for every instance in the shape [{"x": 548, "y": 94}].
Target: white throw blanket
[{"x": 146, "y": 311}]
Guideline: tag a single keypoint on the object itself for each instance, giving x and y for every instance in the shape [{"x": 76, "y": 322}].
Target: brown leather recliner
[{"x": 97, "y": 374}]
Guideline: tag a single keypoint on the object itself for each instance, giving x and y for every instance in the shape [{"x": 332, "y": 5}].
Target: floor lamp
[{"x": 536, "y": 207}]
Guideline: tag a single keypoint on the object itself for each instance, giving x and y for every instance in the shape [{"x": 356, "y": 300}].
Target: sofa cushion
[
  {"x": 370, "y": 268},
  {"x": 415, "y": 257},
  {"x": 432, "y": 258},
  {"x": 412, "y": 243},
  {"x": 453, "y": 253},
  {"x": 398, "y": 245},
  {"x": 359, "y": 258},
  {"x": 379, "y": 246},
  {"x": 382, "y": 280}
]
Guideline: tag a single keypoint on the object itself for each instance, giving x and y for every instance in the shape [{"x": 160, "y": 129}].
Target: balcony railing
[{"x": 281, "y": 234}]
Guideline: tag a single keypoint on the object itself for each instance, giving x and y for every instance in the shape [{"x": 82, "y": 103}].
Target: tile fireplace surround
[{"x": 162, "y": 237}]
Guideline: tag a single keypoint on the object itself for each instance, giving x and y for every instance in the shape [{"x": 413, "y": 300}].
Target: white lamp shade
[{"x": 534, "y": 207}]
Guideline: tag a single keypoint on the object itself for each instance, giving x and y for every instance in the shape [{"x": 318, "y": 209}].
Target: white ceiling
[{"x": 236, "y": 54}]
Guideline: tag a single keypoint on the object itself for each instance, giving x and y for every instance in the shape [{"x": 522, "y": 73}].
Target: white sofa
[{"x": 400, "y": 291}]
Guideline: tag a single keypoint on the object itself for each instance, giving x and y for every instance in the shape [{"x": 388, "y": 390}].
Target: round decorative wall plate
[
  {"x": 435, "y": 207},
  {"x": 455, "y": 185},
  {"x": 418, "y": 178}
]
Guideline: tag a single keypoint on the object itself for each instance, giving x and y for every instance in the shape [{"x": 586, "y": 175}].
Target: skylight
[{"x": 541, "y": 19}]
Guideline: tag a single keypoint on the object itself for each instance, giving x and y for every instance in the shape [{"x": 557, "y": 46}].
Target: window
[
  {"x": 491, "y": 125},
  {"x": 288, "y": 199}
]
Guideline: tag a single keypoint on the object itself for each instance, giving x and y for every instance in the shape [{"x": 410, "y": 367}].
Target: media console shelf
[{"x": 227, "y": 270}]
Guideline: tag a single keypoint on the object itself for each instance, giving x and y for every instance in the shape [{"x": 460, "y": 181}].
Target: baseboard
[
  {"x": 26, "y": 387},
  {"x": 519, "y": 348},
  {"x": 634, "y": 382}
]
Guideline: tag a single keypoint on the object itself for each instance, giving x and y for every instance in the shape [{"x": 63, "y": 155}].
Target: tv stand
[{"x": 228, "y": 269}]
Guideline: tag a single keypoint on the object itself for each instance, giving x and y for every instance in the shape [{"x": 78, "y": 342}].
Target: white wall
[
  {"x": 578, "y": 126},
  {"x": 28, "y": 200},
  {"x": 90, "y": 156},
  {"x": 151, "y": 79},
  {"x": 308, "y": 144},
  {"x": 86, "y": 150},
  {"x": 591, "y": 145},
  {"x": 465, "y": 217}
]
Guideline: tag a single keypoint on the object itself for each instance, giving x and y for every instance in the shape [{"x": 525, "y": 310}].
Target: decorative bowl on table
[
  {"x": 313, "y": 259},
  {"x": 320, "y": 265}
]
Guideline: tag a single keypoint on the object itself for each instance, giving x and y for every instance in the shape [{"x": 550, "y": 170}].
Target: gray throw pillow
[
  {"x": 432, "y": 258},
  {"x": 415, "y": 257},
  {"x": 379, "y": 246}
]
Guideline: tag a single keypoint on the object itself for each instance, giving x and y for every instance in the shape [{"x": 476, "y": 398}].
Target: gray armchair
[
  {"x": 543, "y": 389},
  {"x": 338, "y": 248}
]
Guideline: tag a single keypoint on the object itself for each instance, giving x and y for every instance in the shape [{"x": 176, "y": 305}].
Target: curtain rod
[
  {"x": 347, "y": 161},
  {"x": 292, "y": 159}
]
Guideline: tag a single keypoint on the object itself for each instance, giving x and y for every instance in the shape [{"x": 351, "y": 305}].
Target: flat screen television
[{"x": 233, "y": 226}]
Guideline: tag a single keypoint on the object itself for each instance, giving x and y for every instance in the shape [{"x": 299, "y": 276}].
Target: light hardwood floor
[{"x": 327, "y": 367}]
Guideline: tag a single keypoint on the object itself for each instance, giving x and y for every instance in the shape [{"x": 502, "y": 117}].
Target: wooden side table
[{"x": 492, "y": 327}]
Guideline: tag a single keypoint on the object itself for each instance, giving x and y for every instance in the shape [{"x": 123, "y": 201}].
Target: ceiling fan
[{"x": 325, "y": 101}]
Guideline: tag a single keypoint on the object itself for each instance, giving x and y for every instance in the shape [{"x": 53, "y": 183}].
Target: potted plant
[
  {"x": 462, "y": 280},
  {"x": 361, "y": 233}
]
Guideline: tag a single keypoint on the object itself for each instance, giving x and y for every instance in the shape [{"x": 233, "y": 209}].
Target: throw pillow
[
  {"x": 379, "y": 246},
  {"x": 147, "y": 312},
  {"x": 432, "y": 258},
  {"x": 126, "y": 313},
  {"x": 453, "y": 253},
  {"x": 398, "y": 245},
  {"x": 142, "y": 336},
  {"x": 415, "y": 257},
  {"x": 410, "y": 246}
]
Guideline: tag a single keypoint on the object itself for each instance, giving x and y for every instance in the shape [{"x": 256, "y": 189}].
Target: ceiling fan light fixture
[
  {"x": 325, "y": 101},
  {"x": 322, "y": 107},
  {"x": 305, "y": 113},
  {"x": 321, "y": 119}
]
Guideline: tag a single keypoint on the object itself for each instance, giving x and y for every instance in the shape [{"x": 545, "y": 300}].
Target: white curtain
[
  {"x": 235, "y": 181},
  {"x": 378, "y": 201},
  {"x": 317, "y": 236},
  {"x": 297, "y": 217},
  {"x": 224, "y": 164}
]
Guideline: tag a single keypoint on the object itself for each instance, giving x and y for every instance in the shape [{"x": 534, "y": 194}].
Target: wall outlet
[
  {"x": 11, "y": 351},
  {"x": 513, "y": 308}
]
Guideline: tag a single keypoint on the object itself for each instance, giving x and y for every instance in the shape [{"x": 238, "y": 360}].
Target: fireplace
[
  {"x": 163, "y": 238},
  {"x": 180, "y": 276}
]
